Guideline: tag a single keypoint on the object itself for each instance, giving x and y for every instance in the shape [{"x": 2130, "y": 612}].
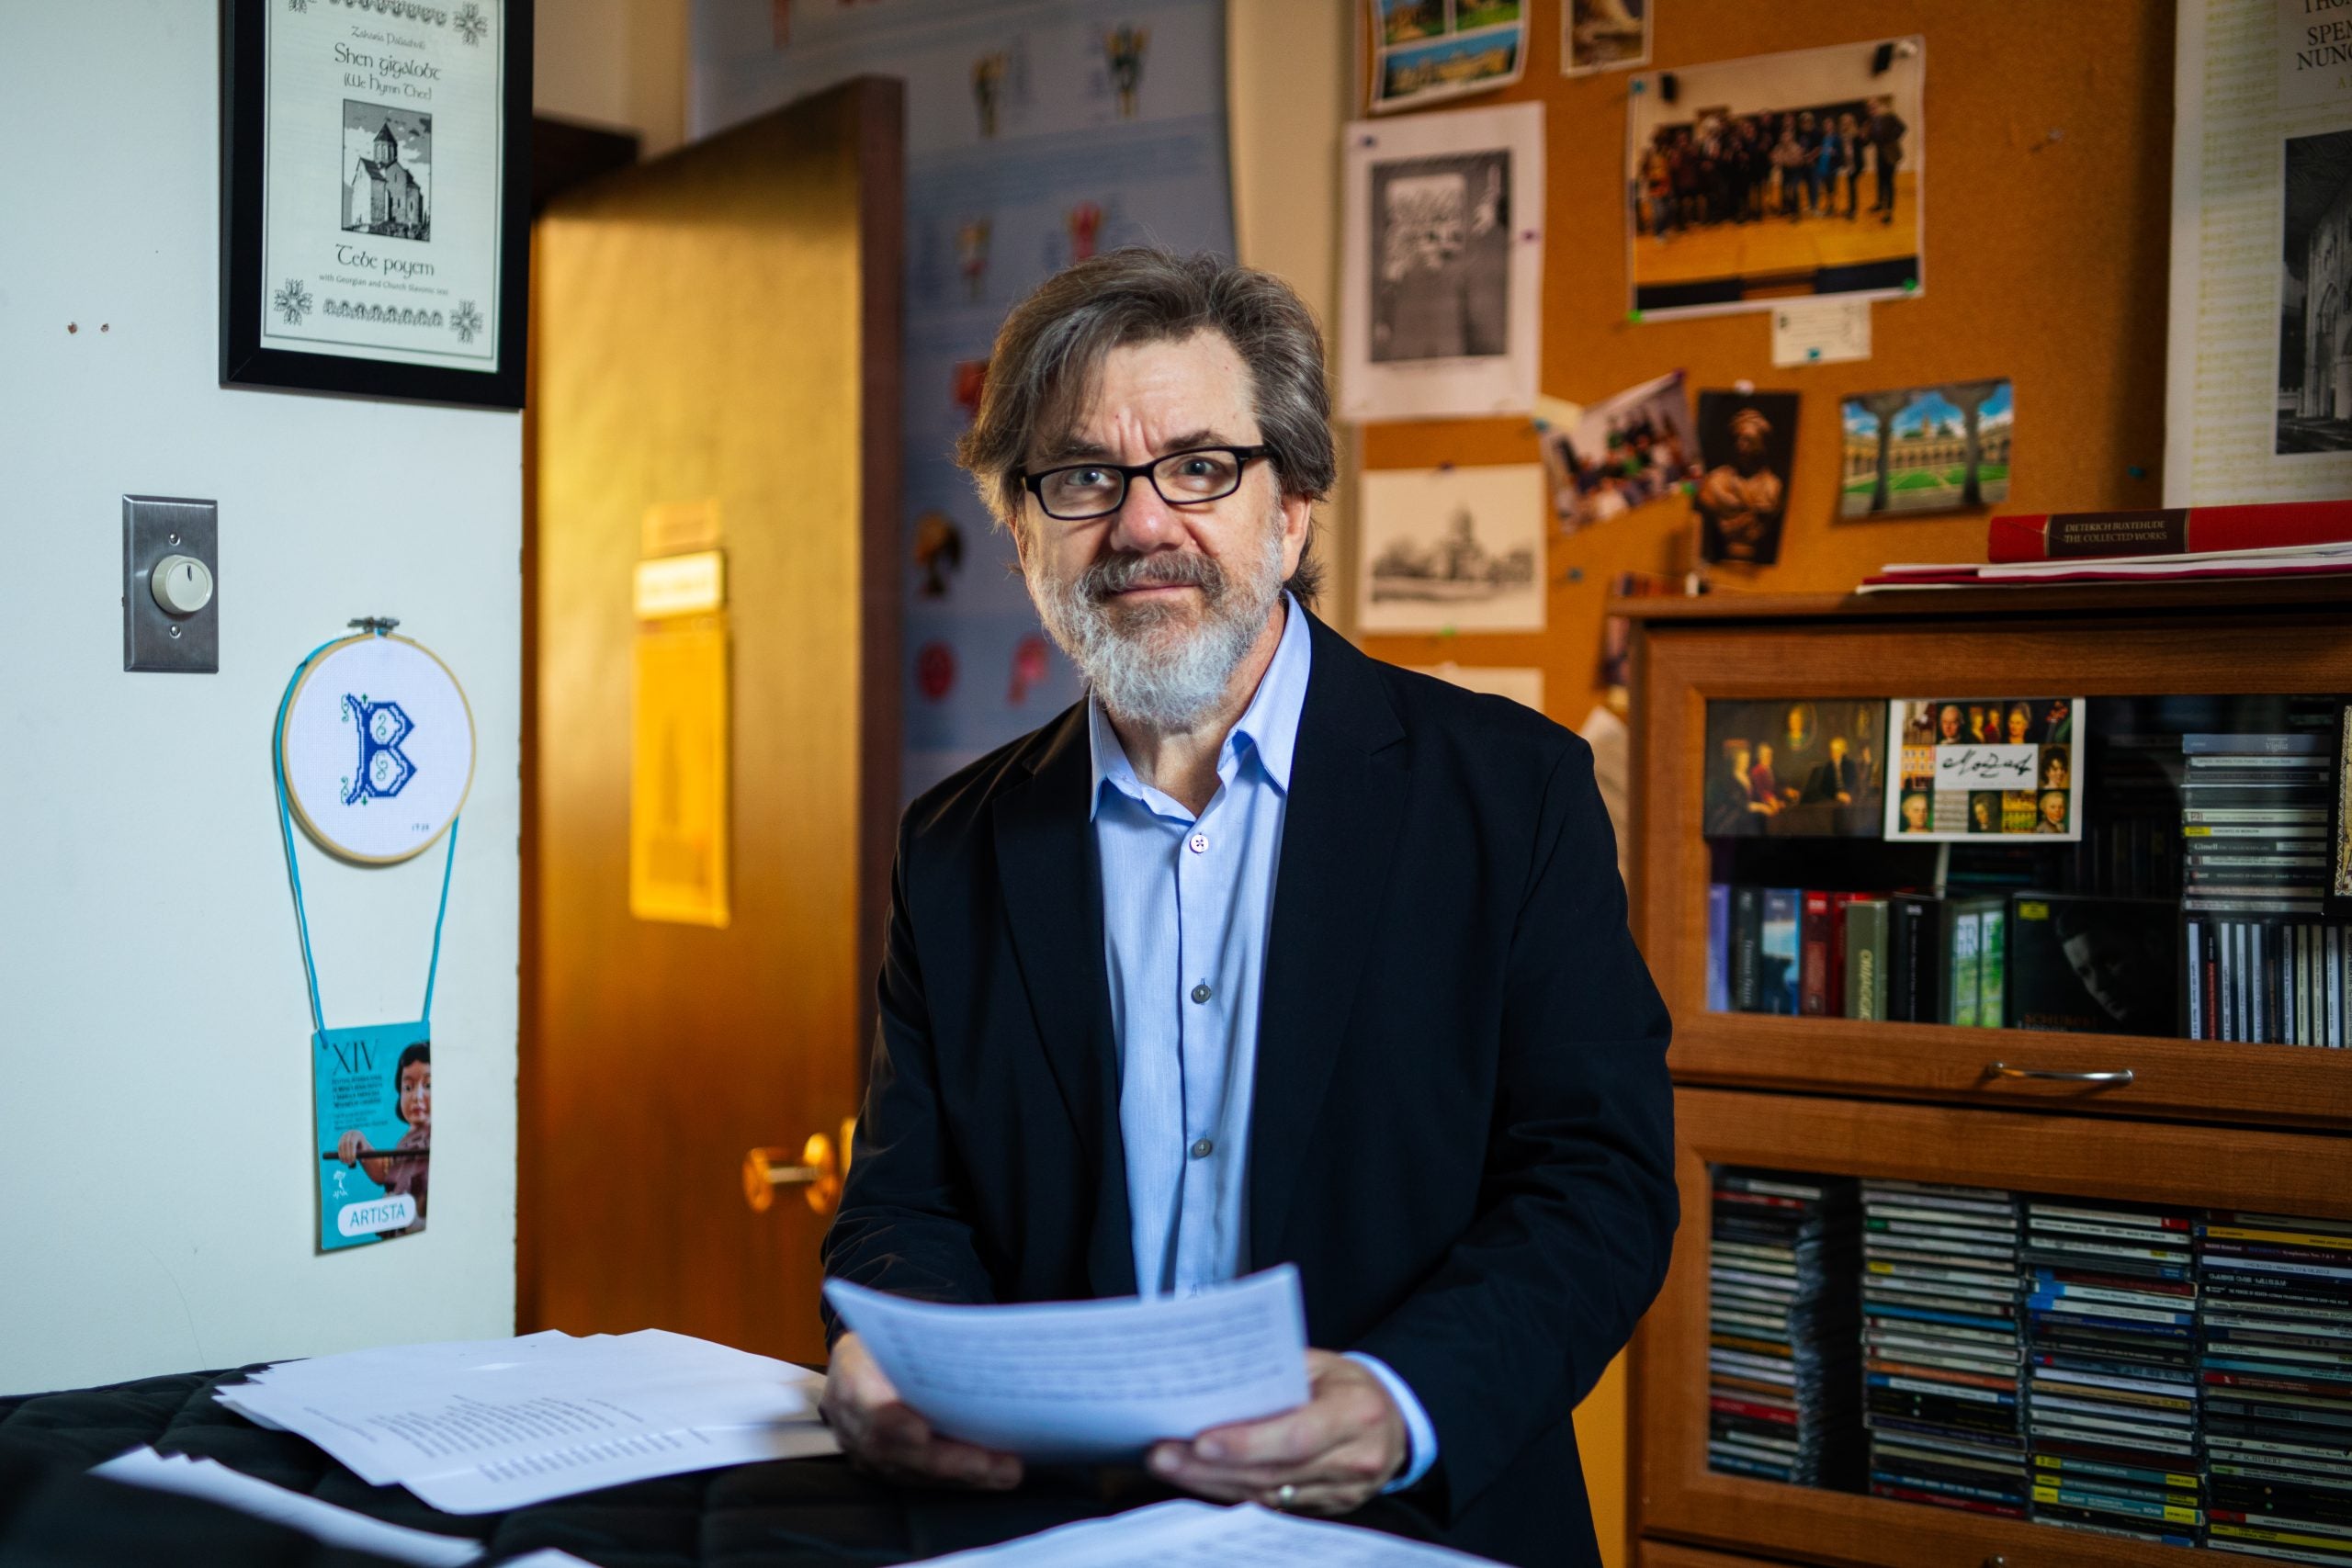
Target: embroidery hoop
[{"x": 300, "y": 715}]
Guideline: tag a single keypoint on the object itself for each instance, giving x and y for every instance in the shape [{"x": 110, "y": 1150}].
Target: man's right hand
[{"x": 880, "y": 1434}]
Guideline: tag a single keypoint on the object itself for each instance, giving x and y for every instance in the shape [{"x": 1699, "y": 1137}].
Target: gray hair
[{"x": 1049, "y": 352}]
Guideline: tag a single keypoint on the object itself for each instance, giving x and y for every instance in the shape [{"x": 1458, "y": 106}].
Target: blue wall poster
[
  {"x": 1038, "y": 133},
  {"x": 373, "y": 1126}
]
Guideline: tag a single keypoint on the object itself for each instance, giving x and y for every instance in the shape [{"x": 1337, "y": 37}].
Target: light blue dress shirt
[{"x": 1187, "y": 903}]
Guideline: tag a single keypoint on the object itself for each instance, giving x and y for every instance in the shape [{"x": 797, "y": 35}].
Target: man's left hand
[{"x": 1336, "y": 1452}]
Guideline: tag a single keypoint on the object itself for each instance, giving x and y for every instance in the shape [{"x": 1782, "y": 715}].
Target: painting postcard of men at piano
[{"x": 1797, "y": 767}]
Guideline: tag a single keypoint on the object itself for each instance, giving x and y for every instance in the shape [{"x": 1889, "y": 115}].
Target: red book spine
[
  {"x": 1813, "y": 985},
  {"x": 2180, "y": 530}
]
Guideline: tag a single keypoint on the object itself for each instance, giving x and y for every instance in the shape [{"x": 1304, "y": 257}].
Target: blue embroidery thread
[{"x": 384, "y": 769}]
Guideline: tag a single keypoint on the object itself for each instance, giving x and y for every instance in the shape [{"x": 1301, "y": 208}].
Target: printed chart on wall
[
  {"x": 1039, "y": 132},
  {"x": 2259, "y": 360},
  {"x": 1787, "y": 174},
  {"x": 1985, "y": 767}
]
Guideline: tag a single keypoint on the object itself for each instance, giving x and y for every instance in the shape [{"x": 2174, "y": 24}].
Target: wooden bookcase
[{"x": 2204, "y": 1123}]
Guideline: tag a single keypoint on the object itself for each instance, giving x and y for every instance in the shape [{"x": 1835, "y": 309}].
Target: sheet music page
[
  {"x": 1079, "y": 1381},
  {"x": 2260, "y": 377}
]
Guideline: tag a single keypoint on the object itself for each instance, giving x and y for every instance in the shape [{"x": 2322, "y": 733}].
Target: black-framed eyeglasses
[{"x": 1081, "y": 491}]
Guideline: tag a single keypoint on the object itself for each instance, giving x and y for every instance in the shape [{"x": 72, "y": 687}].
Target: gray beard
[{"x": 1124, "y": 656}]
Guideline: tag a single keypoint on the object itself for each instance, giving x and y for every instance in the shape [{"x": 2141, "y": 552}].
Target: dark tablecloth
[{"x": 788, "y": 1514}]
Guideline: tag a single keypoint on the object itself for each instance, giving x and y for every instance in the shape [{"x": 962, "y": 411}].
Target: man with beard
[{"x": 1264, "y": 952}]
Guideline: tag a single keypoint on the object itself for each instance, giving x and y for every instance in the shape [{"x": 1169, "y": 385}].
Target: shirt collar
[{"x": 1268, "y": 727}]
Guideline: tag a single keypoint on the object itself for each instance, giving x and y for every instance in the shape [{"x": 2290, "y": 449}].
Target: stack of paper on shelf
[
  {"x": 2110, "y": 1350},
  {"x": 479, "y": 1426},
  {"x": 2307, "y": 560},
  {"x": 1940, "y": 1346},
  {"x": 2277, "y": 1309},
  {"x": 1783, "y": 1394}
]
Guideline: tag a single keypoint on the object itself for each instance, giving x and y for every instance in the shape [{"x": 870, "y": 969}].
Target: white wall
[
  {"x": 619, "y": 63},
  {"x": 156, "y": 1175}
]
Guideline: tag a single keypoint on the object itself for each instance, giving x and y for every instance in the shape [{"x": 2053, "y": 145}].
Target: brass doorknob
[{"x": 818, "y": 1172}]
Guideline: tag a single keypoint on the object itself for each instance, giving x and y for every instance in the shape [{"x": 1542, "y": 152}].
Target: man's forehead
[{"x": 1164, "y": 393}]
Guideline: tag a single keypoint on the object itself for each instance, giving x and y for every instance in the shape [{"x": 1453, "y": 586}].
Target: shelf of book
[
  {"x": 1819, "y": 657},
  {"x": 2185, "y": 1167}
]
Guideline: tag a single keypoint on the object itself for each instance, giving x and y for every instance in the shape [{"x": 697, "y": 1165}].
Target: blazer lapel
[
  {"x": 1048, "y": 868},
  {"x": 1347, "y": 802}
]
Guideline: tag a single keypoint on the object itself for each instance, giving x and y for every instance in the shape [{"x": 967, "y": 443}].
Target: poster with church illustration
[
  {"x": 374, "y": 212},
  {"x": 388, "y": 162}
]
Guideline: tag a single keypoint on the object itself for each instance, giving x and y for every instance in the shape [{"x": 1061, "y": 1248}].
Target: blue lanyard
[{"x": 294, "y": 866}]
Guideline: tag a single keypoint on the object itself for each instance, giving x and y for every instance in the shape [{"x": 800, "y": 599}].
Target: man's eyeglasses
[{"x": 1182, "y": 479}]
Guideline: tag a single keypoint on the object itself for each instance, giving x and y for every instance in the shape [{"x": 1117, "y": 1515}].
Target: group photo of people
[
  {"x": 1834, "y": 161},
  {"x": 1799, "y": 770}
]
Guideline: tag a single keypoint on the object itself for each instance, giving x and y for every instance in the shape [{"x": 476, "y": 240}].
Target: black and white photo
[
  {"x": 388, "y": 162},
  {"x": 1441, "y": 230},
  {"x": 1442, "y": 247},
  {"x": 1451, "y": 549},
  {"x": 374, "y": 204},
  {"x": 2315, "y": 296}
]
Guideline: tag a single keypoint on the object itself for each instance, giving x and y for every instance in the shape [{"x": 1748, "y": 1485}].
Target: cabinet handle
[{"x": 2003, "y": 1070}]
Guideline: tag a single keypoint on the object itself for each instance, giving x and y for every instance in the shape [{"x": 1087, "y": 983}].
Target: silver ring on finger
[{"x": 1284, "y": 1495}]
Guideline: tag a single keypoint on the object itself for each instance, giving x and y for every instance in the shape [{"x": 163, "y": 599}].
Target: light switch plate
[{"x": 154, "y": 526}]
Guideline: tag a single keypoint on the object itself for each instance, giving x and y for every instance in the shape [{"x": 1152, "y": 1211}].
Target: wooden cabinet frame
[
  {"x": 2257, "y": 643},
  {"x": 1678, "y": 1498}
]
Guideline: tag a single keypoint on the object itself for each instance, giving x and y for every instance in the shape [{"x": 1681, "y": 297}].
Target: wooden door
[{"x": 715, "y": 336}]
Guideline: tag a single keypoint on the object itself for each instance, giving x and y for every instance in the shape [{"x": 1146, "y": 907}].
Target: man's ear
[{"x": 1298, "y": 519}]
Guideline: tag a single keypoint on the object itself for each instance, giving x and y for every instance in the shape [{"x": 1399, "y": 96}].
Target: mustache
[{"x": 1122, "y": 569}]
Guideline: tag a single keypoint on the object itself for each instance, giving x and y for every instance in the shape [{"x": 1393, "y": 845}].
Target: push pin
[
  {"x": 2136, "y": 471},
  {"x": 377, "y": 626},
  {"x": 1635, "y": 317}
]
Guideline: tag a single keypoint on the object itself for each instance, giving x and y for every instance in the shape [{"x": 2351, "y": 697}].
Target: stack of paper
[
  {"x": 320, "y": 1520},
  {"x": 475, "y": 1427},
  {"x": 1195, "y": 1535},
  {"x": 1089, "y": 1381},
  {"x": 2297, "y": 560}
]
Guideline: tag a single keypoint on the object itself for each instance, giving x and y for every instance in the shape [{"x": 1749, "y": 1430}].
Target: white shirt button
[
  {"x": 1200, "y": 843},
  {"x": 1204, "y": 1147}
]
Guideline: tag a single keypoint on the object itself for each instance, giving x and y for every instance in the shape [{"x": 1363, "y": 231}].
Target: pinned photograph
[
  {"x": 1800, "y": 173},
  {"x": 1425, "y": 52},
  {"x": 1926, "y": 450},
  {"x": 1979, "y": 767},
  {"x": 1747, "y": 444},
  {"x": 1443, "y": 246},
  {"x": 1623, "y": 452},
  {"x": 1451, "y": 549},
  {"x": 1807, "y": 769},
  {"x": 1603, "y": 35},
  {"x": 2315, "y": 298}
]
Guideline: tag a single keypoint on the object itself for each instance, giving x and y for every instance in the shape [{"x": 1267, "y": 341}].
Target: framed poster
[{"x": 374, "y": 213}]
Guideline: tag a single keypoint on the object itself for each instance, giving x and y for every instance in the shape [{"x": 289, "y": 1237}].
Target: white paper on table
[
  {"x": 1821, "y": 330},
  {"x": 1089, "y": 1381},
  {"x": 1195, "y": 1535},
  {"x": 318, "y": 1519},
  {"x": 479, "y": 1426}
]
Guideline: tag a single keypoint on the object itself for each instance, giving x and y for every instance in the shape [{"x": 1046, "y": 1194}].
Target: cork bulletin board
[{"x": 2047, "y": 213}]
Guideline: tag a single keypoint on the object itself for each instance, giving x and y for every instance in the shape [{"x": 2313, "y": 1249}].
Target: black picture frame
[{"x": 244, "y": 126}]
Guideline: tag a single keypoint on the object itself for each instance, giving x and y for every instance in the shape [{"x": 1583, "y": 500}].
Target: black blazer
[{"x": 1463, "y": 1132}]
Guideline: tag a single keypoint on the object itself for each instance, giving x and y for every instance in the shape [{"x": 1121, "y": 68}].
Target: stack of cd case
[
  {"x": 2111, "y": 1394},
  {"x": 1782, "y": 1378},
  {"x": 2276, "y": 1324},
  {"x": 1940, "y": 1346}
]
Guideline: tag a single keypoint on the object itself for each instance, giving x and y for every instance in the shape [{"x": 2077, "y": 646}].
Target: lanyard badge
[{"x": 374, "y": 752}]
